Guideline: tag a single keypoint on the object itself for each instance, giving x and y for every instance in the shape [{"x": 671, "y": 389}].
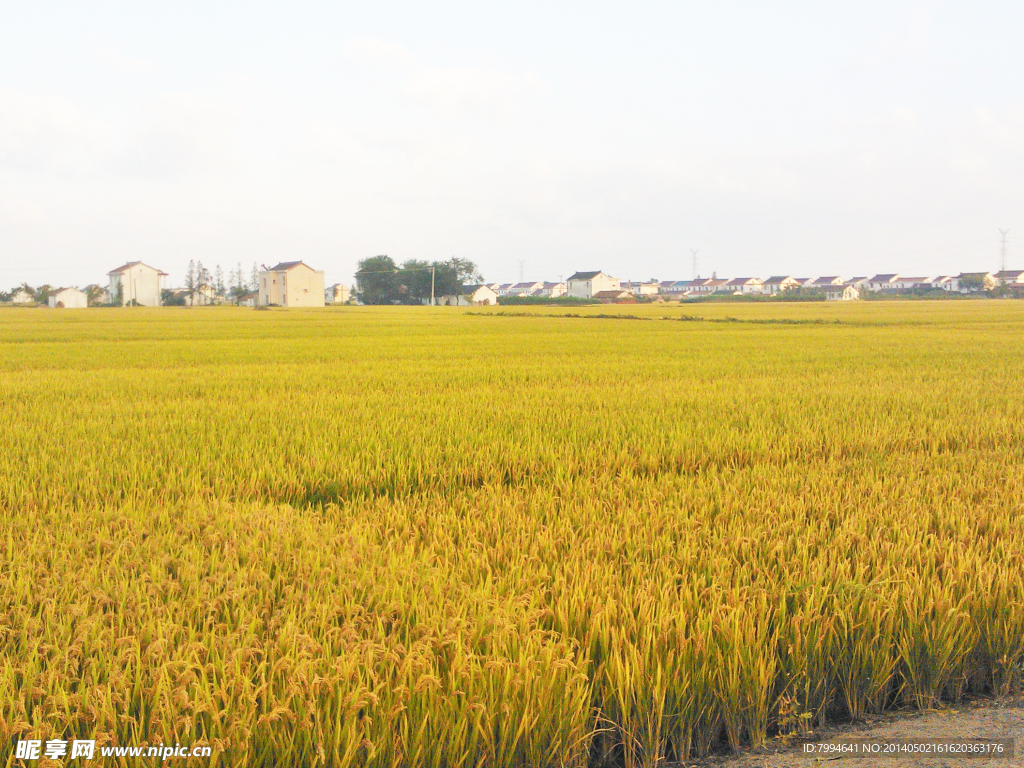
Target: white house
[
  {"x": 1010, "y": 277},
  {"x": 471, "y": 296},
  {"x": 779, "y": 283},
  {"x": 291, "y": 284},
  {"x": 525, "y": 289},
  {"x": 68, "y": 298},
  {"x": 135, "y": 283},
  {"x": 337, "y": 294},
  {"x": 745, "y": 285},
  {"x": 839, "y": 292},
  {"x": 21, "y": 296},
  {"x": 944, "y": 282},
  {"x": 583, "y": 285},
  {"x": 503, "y": 289},
  {"x": 971, "y": 282},
  {"x": 911, "y": 283},
  {"x": 676, "y": 288},
  {"x": 551, "y": 290},
  {"x": 882, "y": 282},
  {"x": 649, "y": 288},
  {"x": 821, "y": 282}
]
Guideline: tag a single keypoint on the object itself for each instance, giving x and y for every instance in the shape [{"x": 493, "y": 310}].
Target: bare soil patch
[{"x": 970, "y": 721}]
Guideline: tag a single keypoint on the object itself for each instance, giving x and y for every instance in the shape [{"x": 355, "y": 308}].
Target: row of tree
[
  {"x": 199, "y": 280},
  {"x": 379, "y": 280}
]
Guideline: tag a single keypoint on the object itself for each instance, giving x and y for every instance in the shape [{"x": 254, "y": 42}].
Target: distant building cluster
[
  {"x": 136, "y": 284},
  {"x": 296, "y": 284},
  {"x": 603, "y": 287}
]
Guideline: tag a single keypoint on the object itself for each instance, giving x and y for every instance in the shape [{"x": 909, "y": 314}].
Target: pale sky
[{"x": 804, "y": 138}]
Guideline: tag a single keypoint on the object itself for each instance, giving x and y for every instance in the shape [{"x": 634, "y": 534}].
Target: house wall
[
  {"x": 303, "y": 287},
  {"x": 585, "y": 289},
  {"x": 270, "y": 288},
  {"x": 300, "y": 286},
  {"x": 70, "y": 299},
  {"x": 337, "y": 295},
  {"x": 139, "y": 283}
]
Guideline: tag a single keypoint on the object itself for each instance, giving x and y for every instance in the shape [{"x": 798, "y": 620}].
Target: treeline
[
  {"x": 379, "y": 280},
  {"x": 41, "y": 294},
  {"x": 203, "y": 286}
]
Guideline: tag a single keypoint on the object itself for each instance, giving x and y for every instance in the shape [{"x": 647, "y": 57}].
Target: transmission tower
[
  {"x": 1004, "y": 233},
  {"x": 695, "y": 251}
]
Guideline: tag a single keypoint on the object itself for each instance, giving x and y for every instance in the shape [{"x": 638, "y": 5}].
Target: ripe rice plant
[{"x": 437, "y": 537}]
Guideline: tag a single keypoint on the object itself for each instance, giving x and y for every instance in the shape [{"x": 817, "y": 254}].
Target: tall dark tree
[
  {"x": 190, "y": 278},
  {"x": 378, "y": 281},
  {"x": 414, "y": 281}
]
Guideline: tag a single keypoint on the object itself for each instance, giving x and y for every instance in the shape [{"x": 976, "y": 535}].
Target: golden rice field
[{"x": 418, "y": 537}]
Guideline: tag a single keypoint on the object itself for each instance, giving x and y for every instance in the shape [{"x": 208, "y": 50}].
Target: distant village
[{"x": 296, "y": 284}]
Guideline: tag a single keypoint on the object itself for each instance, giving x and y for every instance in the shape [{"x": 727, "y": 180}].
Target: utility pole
[
  {"x": 695, "y": 251},
  {"x": 1004, "y": 233}
]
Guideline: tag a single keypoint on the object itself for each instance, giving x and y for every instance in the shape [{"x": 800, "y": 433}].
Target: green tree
[
  {"x": 378, "y": 281},
  {"x": 448, "y": 278},
  {"x": 94, "y": 294},
  {"x": 969, "y": 282},
  {"x": 169, "y": 298},
  {"x": 414, "y": 281},
  {"x": 42, "y": 293}
]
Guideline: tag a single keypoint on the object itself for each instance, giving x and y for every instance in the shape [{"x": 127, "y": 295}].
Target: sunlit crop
[{"x": 416, "y": 537}]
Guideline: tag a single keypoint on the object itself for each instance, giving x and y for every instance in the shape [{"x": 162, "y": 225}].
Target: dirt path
[{"x": 971, "y": 722}]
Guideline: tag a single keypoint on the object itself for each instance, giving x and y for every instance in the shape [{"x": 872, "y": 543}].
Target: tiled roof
[
  {"x": 130, "y": 264},
  {"x": 586, "y": 275}
]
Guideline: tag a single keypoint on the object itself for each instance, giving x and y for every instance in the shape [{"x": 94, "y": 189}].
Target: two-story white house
[
  {"x": 291, "y": 284},
  {"x": 135, "y": 284},
  {"x": 583, "y": 285},
  {"x": 779, "y": 283},
  {"x": 883, "y": 282},
  {"x": 551, "y": 290},
  {"x": 1009, "y": 277},
  {"x": 745, "y": 285}
]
